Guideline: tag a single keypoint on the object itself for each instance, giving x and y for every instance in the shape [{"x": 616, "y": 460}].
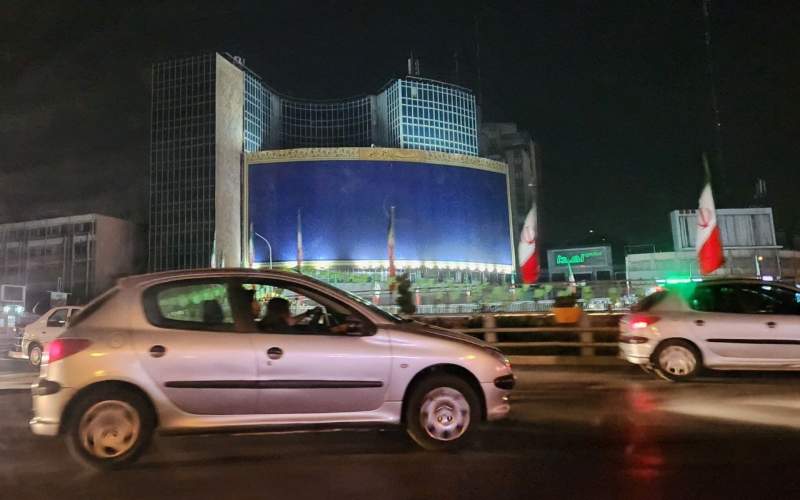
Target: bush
[
  {"x": 405, "y": 298},
  {"x": 565, "y": 301}
]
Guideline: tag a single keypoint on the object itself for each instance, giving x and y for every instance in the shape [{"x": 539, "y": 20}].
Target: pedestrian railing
[
  {"x": 592, "y": 341},
  {"x": 583, "y": 340}
]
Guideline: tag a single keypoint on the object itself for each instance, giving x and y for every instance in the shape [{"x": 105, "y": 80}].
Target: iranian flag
[
  {"x": 299, "y": 242},
  {"x": 390, "y": 245},
  {"x": 527, "y": 252},
  {"x": 709, "y": 239}
]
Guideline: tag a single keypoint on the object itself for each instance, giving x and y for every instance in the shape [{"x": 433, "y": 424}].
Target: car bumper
[
  {"x": 48, "y": 409},
  {"x": 17, "y": 355},
  {"x": 638, "y": 354},
  {"x": 497, "y": 401}
]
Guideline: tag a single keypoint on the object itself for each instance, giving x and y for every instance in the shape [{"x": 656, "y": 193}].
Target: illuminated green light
[{"x": 578, "y": 258}]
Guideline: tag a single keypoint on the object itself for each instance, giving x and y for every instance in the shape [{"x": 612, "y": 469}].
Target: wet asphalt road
[{"x": 574, "y": 433}]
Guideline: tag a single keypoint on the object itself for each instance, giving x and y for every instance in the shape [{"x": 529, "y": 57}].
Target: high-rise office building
[
  {"x": 208, "y": 110},
  {"x": 504, "y": 142}
]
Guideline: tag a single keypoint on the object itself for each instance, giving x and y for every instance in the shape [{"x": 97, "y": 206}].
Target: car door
[
  {"x": 312, "y": 370},
  {"x": 192, "y": 348},
  {"x": 741, "y": 322},
  {"x": 724, "y": 328},
  {"x": 774, "y": 309},
  {"x": 54, "y": 325}
]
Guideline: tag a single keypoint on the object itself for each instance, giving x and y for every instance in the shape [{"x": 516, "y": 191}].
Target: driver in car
[{"x": 279, "y": 319}]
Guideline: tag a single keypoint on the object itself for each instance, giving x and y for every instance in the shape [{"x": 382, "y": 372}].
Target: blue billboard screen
[{"x": 442, "y": 213}]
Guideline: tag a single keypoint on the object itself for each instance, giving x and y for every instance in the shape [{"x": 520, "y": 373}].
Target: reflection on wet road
[{"x": 615, "y": 433}]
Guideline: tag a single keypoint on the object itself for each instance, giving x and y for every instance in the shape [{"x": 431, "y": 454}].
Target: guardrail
[{"x": 580, "y": 344}]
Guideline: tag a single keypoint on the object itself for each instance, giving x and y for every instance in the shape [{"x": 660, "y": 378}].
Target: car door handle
[
  {"x": 772, "y": 324},
  {"x": 699, "y": 322},
  {"x": 158, "y": 351},
  {"x": 274, "y": 353}
]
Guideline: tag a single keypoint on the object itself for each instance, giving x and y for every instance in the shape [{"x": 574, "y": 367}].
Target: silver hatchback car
[{"x": 237, "y": 350}]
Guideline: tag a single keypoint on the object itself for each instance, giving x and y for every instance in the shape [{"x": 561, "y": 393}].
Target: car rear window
[
  {"x": 650, "y": 301},
  {"x": 92, "y": 307}
]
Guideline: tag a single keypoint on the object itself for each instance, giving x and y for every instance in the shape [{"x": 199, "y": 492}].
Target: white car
[
  {"x": 193, "y": 351},
  {"x": 37, "y": 335},
  {"x": 719, "y": 324}
]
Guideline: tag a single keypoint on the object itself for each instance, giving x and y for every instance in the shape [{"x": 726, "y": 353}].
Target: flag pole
[
  {"x": 706, "y": 168},
  {"x": 299, "y": 242},
  {"x": 390, "y": 247}
]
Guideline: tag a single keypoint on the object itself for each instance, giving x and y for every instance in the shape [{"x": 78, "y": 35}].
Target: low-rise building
[
  {"x": 79, "y": 255},
  {"x": 748, "y": 241}
]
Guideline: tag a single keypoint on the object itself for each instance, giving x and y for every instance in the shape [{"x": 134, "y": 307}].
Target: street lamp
[{"x": 269, "y": 247}]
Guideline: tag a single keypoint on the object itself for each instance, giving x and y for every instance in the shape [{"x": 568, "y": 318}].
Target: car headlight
[{"x": 499, "y": 356}]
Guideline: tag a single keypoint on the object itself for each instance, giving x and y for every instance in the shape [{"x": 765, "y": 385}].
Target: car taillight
[
  {"x": 61, "y": 348},
  {"x": 641, "y": 321}
]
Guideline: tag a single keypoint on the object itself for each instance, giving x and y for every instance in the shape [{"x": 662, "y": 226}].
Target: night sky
[{"x": 616, "y": 93}]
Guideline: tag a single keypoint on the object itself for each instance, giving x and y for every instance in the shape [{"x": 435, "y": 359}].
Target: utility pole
[{"x": 712, "y": 78}]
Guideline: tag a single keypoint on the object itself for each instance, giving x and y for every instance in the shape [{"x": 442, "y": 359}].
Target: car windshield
[{"x": 392, "y": 318}]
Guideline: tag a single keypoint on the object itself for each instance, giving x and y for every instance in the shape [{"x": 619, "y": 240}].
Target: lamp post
[{"x": 269, "y": 247}]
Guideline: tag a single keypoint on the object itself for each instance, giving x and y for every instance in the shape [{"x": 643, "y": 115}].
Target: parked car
[
  {"x": 36, "y": 336},
  {"x": 719, "y": 324},
  {"x": 190, "y": 351}
]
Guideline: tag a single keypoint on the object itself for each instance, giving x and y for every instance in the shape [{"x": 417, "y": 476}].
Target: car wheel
[
  {"x": 677, "y": 360},
  {"x": 109, "y": 428},
  {"x": 35, "y": 355},
  {"x": 647, "y": 368},
  {"x": 442, "y": 412}
]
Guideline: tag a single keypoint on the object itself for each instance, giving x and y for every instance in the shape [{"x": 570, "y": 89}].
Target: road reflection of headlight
[{"x": 769, "y": 410}]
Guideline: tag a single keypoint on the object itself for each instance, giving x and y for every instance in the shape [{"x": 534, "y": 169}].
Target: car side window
[
  {"x": 190, "y": 305},
  {"x": 768, "y": 299},
  {"x": 714, "y": 298},
  {"x": 58, "y": 318},
  {"x": 277, "y": 307}
]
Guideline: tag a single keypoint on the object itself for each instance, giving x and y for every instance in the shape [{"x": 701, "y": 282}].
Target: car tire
[
  {"x": 442, "y": 412},
  {"x": 109, "y": 428},
  {"x": 35, "y": 353},
  {"x": 677, "y": 360},
  {"x": 647, "y": 368}
]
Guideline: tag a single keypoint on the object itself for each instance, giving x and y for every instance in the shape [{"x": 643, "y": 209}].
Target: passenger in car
[{"x": 279, "y": 319}]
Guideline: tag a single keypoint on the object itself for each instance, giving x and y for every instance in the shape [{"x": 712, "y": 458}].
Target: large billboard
[{"x": 450, "y": 210}]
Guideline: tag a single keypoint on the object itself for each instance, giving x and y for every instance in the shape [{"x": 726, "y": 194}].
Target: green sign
[{"x": 576, "y": 259}]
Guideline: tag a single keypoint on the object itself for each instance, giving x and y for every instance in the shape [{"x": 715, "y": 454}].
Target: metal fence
[{"x": 593, "y": 341}]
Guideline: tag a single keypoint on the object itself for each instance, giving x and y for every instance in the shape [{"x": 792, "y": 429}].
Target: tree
[{"x": 405, "y": 298}]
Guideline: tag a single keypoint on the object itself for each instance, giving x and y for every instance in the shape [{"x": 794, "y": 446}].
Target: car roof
[
  {"x": 740, "y": 281},
  {"x": 150, "y": 278}
]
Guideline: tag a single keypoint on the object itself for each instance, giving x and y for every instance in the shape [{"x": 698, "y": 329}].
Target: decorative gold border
[{"x": 375, "y": 154}]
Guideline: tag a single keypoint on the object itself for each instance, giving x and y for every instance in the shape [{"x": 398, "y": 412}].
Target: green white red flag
[
  {"x": 710, "y": 256},
  {"x": 527, "y": 252}
]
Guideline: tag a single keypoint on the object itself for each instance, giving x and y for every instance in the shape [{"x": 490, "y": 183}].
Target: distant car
[
  {"x": 38, "y": 334},
  {"x": 719, "y": 324},
  {"x": 189, "y": 351}
]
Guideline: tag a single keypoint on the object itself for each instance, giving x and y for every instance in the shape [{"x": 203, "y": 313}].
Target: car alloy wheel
[
  {"x": 677, "y": 361},
  {"x": 444, "y": 414},
  {"x": 35, "y": 355},
  {"x": 109, "y": 429}
]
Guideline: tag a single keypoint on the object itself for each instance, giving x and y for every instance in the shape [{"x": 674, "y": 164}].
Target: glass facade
[
  {"x": 431, "y": 115},
  {"x": 410, "y": 113},
  {"x": 182, "y": 163},
  {"x": 256, "y": 113},
  {"x": 326, "y": 124}
]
